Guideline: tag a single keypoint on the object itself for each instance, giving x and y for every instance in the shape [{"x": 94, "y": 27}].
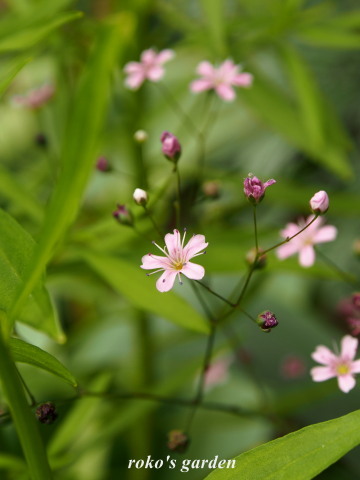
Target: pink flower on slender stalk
[
  {"x": 176, "y": 260},
  {"x": 303, "y": 244},
  {"x": 341, "y": 366},
  {"x": 254, "y": 188},
  {"x": 150, "y": 68},
  {"x": 37, "y": 97},
  {"x": 221, "y": 79}
]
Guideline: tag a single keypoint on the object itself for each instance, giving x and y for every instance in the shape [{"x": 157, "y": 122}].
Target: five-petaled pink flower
[
  {"x": 341, "y": 366},
  {"x": 303, "y": 244},
  {"x": 221, "y": 79},
  {"x": 176, "y": 260},
  {"x": 150, "y": 67}
]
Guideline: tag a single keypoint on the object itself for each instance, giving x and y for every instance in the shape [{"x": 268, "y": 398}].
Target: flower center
[
  {"x": 178, "y": 265},
  {"x": 342, "y": 369}
]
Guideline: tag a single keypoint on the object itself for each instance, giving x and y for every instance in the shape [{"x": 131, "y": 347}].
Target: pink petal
[
  {"x": 228, "y": 70},
  {"x": 243, "y": 80},
  {"x": 135, "y": 80},
  {"x": 307, "y": 256},
  {"x": 323, "y": 355},
  {"x": 205, "y": 69},
  {"x": 225, "y": 92},
  {"x": 148, "y": 56},
  {"x": 165, "y": 56},
  {"x": 151, "y": 261},
  {"x": 348, "y": 347},
  {"x": 346, "y": 382},
  {"x": 290, "y": 230},
  {"x": 319, "y": 374},
  {"x": 166, "y": 281},
  {"x": 200, "y": 85},
  {"x": 133, "y": 67},
  {"x": 355, "y": 366},
  {"x": 325, "y": 234},
  {"x": 195, "y": 245},
  {"x": 155, "y": 73},
  {"x": 286, "y": 250},
  {"x": 269, "y": 182},
  {"x": 193, "y": 271},
  {"x": 173, "y": 242}
]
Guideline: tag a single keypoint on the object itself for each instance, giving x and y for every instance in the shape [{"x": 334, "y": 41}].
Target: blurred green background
[{"x": 299, "y": 124}]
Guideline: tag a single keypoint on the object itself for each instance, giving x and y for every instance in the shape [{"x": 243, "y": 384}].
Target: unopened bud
[
  {"x": 46, "y": 413},
  {"x": 103, "y": 165},
  {"x": 254, "y": 188},
  {"x": 266, "y": 321},
  {"x": 140, "y": 196},
  {"x": 140, "y": 136},
  {"x": 123, "y": 215},
  {"x": 319, "y": 203},
  {"x": 171, "y": 147},
  {"x": 178, "y": 441},
  {"x": 255, "y": 259},
  {"x": 211, "y": 189}
]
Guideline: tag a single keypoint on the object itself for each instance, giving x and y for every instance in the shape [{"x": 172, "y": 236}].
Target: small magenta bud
[
  {"x": 256, "y": 260},
  {"x": 254, "y": 188},
  {"x": 140, "y": 136},
  {"x": 140, "y": 196},
  {"x": 123, "y": 215},
  {"x": 103, "y": 165},
  {"x": 211, "y": 189},
  {"x": 178, "y": 441},
  {"x": 171, "y": 147},
  {"x": 46, "y": 413},
  {"x": 266, "y": 321},
  {"x": 356, "y": 300},
  {"x": 319, "y": 203},
  {"x": 41, "y": 140}
]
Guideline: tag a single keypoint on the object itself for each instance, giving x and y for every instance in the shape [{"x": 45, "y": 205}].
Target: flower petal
[
  {"x": 166, "y": 281},
  {"x": 243, "y": 80},
  {"x": 323, "y": 355},
  {"x": 307, "y": 256},
  {"x": 320, "y": 374},
  {"x": 195, "y": 245},
  {"x": 286, "y": 250},
  {"x": 346, "y": 382},
  {"x": 200, "y": 85},
  {"x": 225, "y": 92},
  {"x": 165, "y": 56},
  {"x": 355, "y": 367},
  {"x": 193, "y": 271},
  {"x": 173, "y": 243},
  {"x": 348, "y": 347},
  {"x": 155, "y": 73},
  {"x": 151, "y": 261},
  {"x": 205, "y": 69},
  {"x": 134, "y": 80},
  {"x": 148, "y": 56},
  {"x": 133, "y": 67},
  {"x": 325, "y": 234}
]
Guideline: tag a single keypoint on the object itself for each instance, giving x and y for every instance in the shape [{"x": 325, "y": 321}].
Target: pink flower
[
  {"x": 342, "y": 366},
  {"x": 303, "y": 244},
  {"x": 217, "y": 372},
  {"x": 292, "y": 366},
  {"x": 319, "y": 203},
  {"x": 171, "y": 147},
  {"x": 176, "y": 260},
  {"x": 150, "y": 67},
  {"x": 221, "y": 79},
  {"x": 37, "y": 97},
  {"x": 254, "y": 188}
]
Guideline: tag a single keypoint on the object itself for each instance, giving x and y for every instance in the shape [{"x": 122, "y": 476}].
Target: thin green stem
[
  {"x": 216, "y": 294},
  {"x": 24, "y": 420},
  {"x": 287, "y": 239},
  {"x": 255, "y": 230},
  {"x": 178, "y": 197},
  {"x": 148, "y": 213}
]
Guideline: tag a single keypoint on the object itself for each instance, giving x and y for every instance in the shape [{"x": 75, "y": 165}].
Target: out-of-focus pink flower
[
  {"x": 221, "y": 79},
  {"x": 171, "y": 147},
  {"x": 292, "y": 367},
  {"x": 319, "y": 203},
  {"x": 150, "y": 68},
  {"x": 341, "y": 366},
  {"x": 349, "y": 310},
  {"x": 254, "y": 188},
  {"x": 36, "y": 97},
  {"x": 217, "y": 372},
  {"x": 176, "y": 260},
  {"x": 303, "y": 244}
]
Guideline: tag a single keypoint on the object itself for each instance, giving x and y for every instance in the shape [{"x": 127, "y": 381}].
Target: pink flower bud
[
  {"x": 140, "y": 196},
  {"x": 123, "y": 215},
  {"x": 254, "y": 188},
  {"x": 171, "y": 147},
  {"x": 319, "y": 203},
  {"x": 102, "y": 164},
  {"x": 266, "y": 321}
]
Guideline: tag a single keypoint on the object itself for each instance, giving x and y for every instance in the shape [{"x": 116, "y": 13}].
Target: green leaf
[
  {"x": 328, "y": 36},
  {"x": 9, "y": 71},
  {"x": 24, "y": 39},
  {"x": 25, "y": 353},
  {"x": 298, "y": 456},
  {"x": 132, "y": 282},
  {"x": 16, "y": 247},
  {"x": 80, "y": 148}
]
